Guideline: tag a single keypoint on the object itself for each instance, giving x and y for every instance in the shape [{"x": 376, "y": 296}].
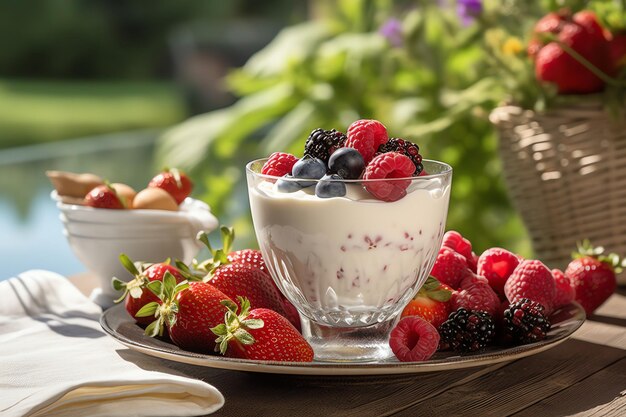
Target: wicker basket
[{"x": 566, "y": 174}]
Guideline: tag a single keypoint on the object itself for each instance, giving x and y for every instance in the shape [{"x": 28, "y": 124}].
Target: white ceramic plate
[{"x": 118, "y": 324}]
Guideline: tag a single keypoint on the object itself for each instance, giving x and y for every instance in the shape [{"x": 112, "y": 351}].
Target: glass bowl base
[{"x": 349, "y": 344}]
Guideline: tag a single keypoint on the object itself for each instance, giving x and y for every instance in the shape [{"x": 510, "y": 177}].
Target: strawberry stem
[
  {"x": 235, "y": 326},
  {"x": 167, "y": 291}
]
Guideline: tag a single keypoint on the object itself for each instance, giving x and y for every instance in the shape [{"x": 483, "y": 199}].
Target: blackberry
[
  {"x": 525, "y": 322},
  {"x": 467, "y": 331},
  {"x": 405, "y": 148},
  {"x": 322, "y": 143}
]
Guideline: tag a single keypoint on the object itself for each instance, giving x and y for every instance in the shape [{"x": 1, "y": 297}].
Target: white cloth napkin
[{"x": 55, "y": 360}]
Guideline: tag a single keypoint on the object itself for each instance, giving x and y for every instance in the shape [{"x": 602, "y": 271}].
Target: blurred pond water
[{"x": 31, "y": 234}]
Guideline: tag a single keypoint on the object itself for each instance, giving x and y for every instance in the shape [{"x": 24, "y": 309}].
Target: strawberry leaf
[
  {"x": 223, "y": 346},
  {"x": 204, "y": 238},
  {"x": 128, "y": 264},
  {"x": 440, "y": 295},
  {"x": 156, "y": 288},
  {"x": 244, "y": 337},
  {"x": 148, "y": 309},
  {"x": 228, "y": 236},
  {"x": 219, "y": 330},
  {"x": 118, "y": 284},
  {"x": 431, "y": 284},
  {"x": 155, "y": 328},
  {"x": 253, "y": 323}
]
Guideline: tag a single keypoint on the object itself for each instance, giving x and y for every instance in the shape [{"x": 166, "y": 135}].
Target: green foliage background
[{"x": 435, "y": 90}]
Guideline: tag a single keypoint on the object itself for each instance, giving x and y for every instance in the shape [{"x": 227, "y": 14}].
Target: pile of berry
[
  {"x": 365, "y": 152},
  {"x": 471, "y": 302}
]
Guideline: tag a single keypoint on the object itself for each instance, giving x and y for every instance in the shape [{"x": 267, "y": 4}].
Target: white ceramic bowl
[{"x": 98, "y": 236}]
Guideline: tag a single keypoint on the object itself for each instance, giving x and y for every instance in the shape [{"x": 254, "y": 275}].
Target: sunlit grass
[{"x": 43, "y": 111}]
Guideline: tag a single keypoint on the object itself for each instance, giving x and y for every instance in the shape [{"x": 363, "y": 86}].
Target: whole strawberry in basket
[{"x": 571, "y": 51}]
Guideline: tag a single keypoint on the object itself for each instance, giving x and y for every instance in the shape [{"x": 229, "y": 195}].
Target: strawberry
[
  {"x": 450, "y": 267},
  {"x": 259, "y": 334},
  {"x": 430, "y": 303},
  {"x": 564, "y": 291},
  {"x": 188, "y": 310},
  {"x": 618, "y": 51},
  {"x": 592, "y": 275},
  {"x": 556, "y": 36},
  {"x": 136, "y": 295},
  {"x": 244, "y": 278},
  {"x": 475, "y": 294},
  {"x": 104, "y": 196},
  {"x": 175, "y": 182},
  {"x": 497, "y": 264},
  {"x": 533, "y": 280},
  {"x": 248, "y": 256}
]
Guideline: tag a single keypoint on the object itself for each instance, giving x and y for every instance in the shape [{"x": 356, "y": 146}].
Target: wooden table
[{"x": 585, "y": 376}]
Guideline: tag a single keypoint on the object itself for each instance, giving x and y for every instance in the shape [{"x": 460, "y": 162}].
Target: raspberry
[
  {"x": 476, "y": 295},
  {"x": 414, "y": 339},
  {"x": 366, "y": 136},
  {"x": 467, "y": 331},
  {"x": 453, "y": 240},
  {"x": 497, "y": 265},
  {"x": 322, "y": 143},
  {"x": 279, "y": 164},
  {"x": 405, "y": 148},
  {"x": 525, "y": 322},
  {"x": 388, "y": 165},
  {"x": 564, "y": 291},
  {"x": 450, "y": 268},
  {"x": 531, "y": 279}
]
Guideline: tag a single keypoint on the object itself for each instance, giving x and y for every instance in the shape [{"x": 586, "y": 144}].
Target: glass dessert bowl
[{"x": 350, "y": 264}]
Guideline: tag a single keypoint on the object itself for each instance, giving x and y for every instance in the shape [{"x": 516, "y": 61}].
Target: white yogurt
[{"x": 339, "y": 256}]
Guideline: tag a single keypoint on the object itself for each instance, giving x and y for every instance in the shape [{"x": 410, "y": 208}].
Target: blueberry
[
  {"x": 286, "y": 186},
  {"x": 328, "y": 189},
  {"x": 309, "y": 168},
  {"x": 348, "y": 163}
]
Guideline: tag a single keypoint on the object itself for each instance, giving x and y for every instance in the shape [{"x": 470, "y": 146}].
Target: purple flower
[
  {"x": 469, "y": 10},
  {"x": 392, "y": 30}
]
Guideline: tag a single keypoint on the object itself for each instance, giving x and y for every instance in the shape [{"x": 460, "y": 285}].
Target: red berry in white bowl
[
  {"x": 104, "y": 196},
  {"x": 175, "y": 182},
  {"x": 414, "y": 340}
]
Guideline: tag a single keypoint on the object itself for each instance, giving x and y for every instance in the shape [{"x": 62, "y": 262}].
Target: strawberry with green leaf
[
  {"x": 259, "y": 334},
  {"x": 242, "y": 278},
  {"x": 430, "y": 303},
  {"x": 175, "y": 182},
  {"x": 135, "y": 294},
  {"x": 592, "y": 275},
  {"x": 187, "y": 310}
]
